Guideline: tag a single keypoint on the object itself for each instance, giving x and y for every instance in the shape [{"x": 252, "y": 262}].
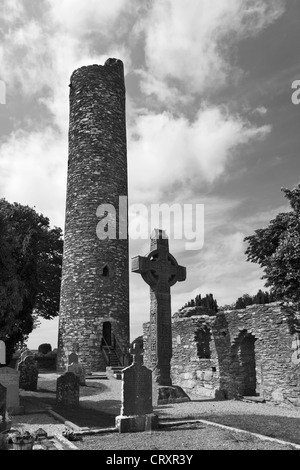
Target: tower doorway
[{"x": 107, "y": 333}]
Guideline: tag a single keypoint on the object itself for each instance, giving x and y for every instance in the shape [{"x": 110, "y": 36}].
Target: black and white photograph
[{"x": 150, "y": 228}]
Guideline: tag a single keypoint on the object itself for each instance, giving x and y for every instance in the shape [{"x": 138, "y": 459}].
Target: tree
[
  {"x": 44, "y": 348},
  {"x": 30, "y": 271},
  {"x": 260, "y": 298},
  {"x": 208, "y": 301},
  {"x": 277, "y": 250}
]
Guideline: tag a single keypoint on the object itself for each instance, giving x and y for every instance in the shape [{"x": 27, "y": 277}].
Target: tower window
[{"x": 105, "y": 271}]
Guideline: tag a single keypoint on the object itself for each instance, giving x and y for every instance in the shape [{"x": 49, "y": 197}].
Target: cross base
[
  {"x": 163, "y": 395},
  {"x": 136, "y": 423},
  {"x": 162, "y": 379}
]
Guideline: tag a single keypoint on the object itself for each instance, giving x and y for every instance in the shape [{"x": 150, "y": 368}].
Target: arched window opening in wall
[
  {"x": 105, "y": 271},
  {"x": 203, "y": 339},
  {"x": 243, "y": 354}
]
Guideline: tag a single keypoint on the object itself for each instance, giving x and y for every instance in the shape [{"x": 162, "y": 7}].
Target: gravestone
[
  {"x": 2, "y": 352},
  {"x": 3, "y": 400},
  {"x": 67, "y": 390},
  {"x": 73, "y": 358},
  {"x": 22, "y": 357},
  {"x": 79, "y": 371},
  {"x": 136, "y": 410},
  {"x": 161, "y": 271},
  {"x": 24, "y": 354},
  {"x": 29, "y": 372},
  {"x": 9, "y": 378}
]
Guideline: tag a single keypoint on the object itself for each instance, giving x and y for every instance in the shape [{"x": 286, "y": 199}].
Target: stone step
[{"x": 254, "y": 399}]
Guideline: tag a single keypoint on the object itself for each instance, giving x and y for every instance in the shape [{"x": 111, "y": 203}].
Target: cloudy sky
[{"x": 209, "y": 120}]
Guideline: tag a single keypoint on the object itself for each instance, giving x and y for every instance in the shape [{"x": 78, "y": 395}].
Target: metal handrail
[
  {"x": 120, "y": 353},
  {"x": 118, "y": 349},
  {"x": 107, "y": 357}
]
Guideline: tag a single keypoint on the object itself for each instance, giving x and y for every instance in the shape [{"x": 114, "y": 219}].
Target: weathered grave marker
[
  {"x": 79, "y": 371},
  {"x": 73, "y": 358},
  {"x": 29, "y": 372},
  {"x": 9, "y": 378},
  {"x": 67, "y": 390},
  {"x": 136, "y": 410},
  {"x": 24, "y": 354}
]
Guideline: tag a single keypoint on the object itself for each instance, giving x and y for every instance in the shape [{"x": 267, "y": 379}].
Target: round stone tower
[{"x": 94, "y": 305}]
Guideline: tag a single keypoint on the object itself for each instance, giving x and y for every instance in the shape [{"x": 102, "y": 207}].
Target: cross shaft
[{"x": 161, "y": 271}]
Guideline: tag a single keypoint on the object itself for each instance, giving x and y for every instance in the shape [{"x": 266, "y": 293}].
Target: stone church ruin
[{"x": 252, "y": 352}]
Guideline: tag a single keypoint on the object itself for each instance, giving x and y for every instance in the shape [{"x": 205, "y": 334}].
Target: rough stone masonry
[
  {"x": 95, "y": 277},
  {"x": 252, "y": 352}
]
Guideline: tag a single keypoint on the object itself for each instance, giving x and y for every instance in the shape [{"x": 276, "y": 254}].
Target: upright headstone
[
  {"x": 29, "y": 372},
  {"x": 2, "y": 352},
  {"x": 73, "y": 358},
  {"x": 67, "y": 390},
  {"x": 79, "y": 371},
  {"x": 136, "y": 410},
  {"x": 161, "y": 271},
  {"x": 24, "y": 354},
  {"x": 9, "y": 378}
]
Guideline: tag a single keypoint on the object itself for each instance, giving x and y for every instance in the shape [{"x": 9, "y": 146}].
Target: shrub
[{"x": 44, "y": 348}]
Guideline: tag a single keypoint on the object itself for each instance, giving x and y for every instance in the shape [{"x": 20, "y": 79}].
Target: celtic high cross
[{"x": 161, "y": 271}]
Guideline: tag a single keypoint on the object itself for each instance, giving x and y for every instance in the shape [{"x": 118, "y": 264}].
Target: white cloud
[
  {"x": 46, "y": 332},
  {"x": 33, "y": 170},
  {"x": 261, "y": 110},
  {"x": 83, "y": 17},
  {"x": 221, "y": 269},
  {"x": 192, "y": 43},
  {"x": 11, "y": 11},
  {"x": 37, "y": 59},
  {"x": 261, "y": 219},
  {"x": 164, "y": 150},
  {"x": 39, "y": 55}
]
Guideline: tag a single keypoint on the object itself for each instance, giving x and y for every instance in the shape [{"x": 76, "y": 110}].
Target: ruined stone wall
[
  {"x": 275, "y": 329},
  {"x": 95, "y": 277},
  {"x": 196, "y": 371},
  {"x": 190, "y": 368},
  {"x": 251, "y": 352}
]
